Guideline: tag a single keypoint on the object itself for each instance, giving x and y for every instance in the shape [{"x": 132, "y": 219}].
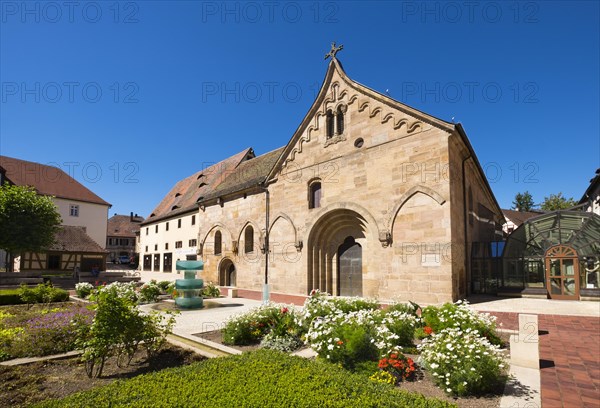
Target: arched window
[
  {"x": 340, "y": 121},
  {"x": 329, "y": 124},
  {"x": 249, "y": 239},
  {"x": 314, "y": 195},
  {"x": 218, "y": 243}
]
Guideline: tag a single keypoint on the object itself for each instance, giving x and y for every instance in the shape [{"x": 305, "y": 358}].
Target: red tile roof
[
  {"x": 246, "y": 175},
  {"x": 184, "y": 195},
  {"x": 123, "y": 226},
  {"x": 47, "y": 180}
]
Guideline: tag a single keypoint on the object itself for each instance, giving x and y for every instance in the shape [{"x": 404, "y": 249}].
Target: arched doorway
[
  {"x": 338, "y": 236},
  {"x": 349, "y": 276},
  {"x": 227, "y": 273},
  {"x": 562, "y": 273}
]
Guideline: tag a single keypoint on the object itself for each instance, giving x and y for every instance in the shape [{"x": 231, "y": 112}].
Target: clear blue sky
[{"x": 134, "y": 96}]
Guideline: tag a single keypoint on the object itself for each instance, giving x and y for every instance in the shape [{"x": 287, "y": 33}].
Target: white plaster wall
[{"x": 94, "y": 217}]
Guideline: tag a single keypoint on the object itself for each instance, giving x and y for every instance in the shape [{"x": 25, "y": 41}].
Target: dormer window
[
  {"x": 202, "y": 184},
  {"x": 174, "y": 207},
  {"x": 200, "y": 176},
  {"x": 177, "y": 195},
  {"x": 329, "y": 124}
]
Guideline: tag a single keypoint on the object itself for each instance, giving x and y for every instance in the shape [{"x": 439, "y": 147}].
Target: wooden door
[
  {"x": 350, "y": 268},
  {"x": 562, "y": 273}
]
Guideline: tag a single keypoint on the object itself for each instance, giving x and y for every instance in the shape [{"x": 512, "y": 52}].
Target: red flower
[
  {"x": 339, "y": 343},
  {"x": 428, "y": 330},
  {"x": 284, "y": 310}
]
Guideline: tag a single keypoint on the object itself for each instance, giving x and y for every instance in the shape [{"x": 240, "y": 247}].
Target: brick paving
[{"x": 569, "y": 359}]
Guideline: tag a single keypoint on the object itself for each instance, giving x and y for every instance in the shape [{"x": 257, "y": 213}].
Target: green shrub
[
  {"x": 463, "y": 363},
  {"x": 460, "y": 315},
  {"x": 10, "y": 297},
  {"x": 210, "y": 290},
  {"x": 149, "y": 292},
  {"x": 42, "y": 293},
  {"x": 263, "y": 378},
  {"x": 286, "y": 344},
  {"x": 164, "y": 286},
  {"x": 320, "y": 304},
  {"x": 119, "y": 328},
  {"x": 251, "y": 327},
  {"x": 83, "y": 289},
  {"x": 355, "y": 347}
]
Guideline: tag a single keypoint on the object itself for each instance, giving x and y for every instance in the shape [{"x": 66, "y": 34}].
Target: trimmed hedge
[
  {"x": 10, "y": 297},
  {"x": 264, "y": 378},
  {"x": 38, "y": 294}
]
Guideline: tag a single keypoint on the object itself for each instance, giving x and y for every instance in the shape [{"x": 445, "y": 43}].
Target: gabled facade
[
  {"x": 83, "y": 213},
  {"x": 77, "y": 205},
  {"x": 370, "y": 197},
  {"x": 121, "y": 236}
]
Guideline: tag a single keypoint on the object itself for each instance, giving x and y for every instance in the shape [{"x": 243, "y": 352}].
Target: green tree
[
  {"x": 557, "y": 202},
  {"x": 523, "y": 202},
  {"x": 28, "y": 221}
]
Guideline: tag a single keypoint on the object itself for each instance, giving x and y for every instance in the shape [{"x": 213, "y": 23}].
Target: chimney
[{"x": 131, "y": 217}]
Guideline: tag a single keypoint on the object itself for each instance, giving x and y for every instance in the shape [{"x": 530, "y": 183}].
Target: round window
[{"x": 358, "y": 143}]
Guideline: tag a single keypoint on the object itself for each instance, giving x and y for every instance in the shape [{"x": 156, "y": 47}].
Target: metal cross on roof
[{"x": 334, "y": 50}]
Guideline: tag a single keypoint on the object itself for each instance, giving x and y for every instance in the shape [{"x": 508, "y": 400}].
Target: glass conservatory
[{"x": 555, "y": 255}]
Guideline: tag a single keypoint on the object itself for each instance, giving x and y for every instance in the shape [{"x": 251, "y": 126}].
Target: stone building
[{"x": 369, "y": 197}]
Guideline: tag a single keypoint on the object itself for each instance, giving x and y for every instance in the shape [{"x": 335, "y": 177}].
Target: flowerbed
[
  {"x": 460, "y": 347},
  {"x": 41, "y": 331}
]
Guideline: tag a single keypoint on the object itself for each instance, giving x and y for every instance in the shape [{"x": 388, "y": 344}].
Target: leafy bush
[
  {"x": 286, "y": 344},
  {"x": 149, "y": 292},
  {"x": 402, "y": 324},
  {"x": 42, "y": 293},
  {"x": 251, "y": 327},
  {"x": 164, "y": 286},
  {"x": 460, "y": 315},
  {"x": 320, "y": 304},
  {"x": 210, "y": 290},
  {"x": 348, "y": 338},
  {"x": 410, "y": 308},
  {"x": 263, "y": 378},
  {"x": 83, "y": 289},
  {"x": 462, "y": 362},
  {"x": 119, "y": 328}
]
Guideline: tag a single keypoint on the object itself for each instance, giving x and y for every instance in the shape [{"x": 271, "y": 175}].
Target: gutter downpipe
[
  {"x": 466, "y": 230},
  {"x": 265, "y": 294}
]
